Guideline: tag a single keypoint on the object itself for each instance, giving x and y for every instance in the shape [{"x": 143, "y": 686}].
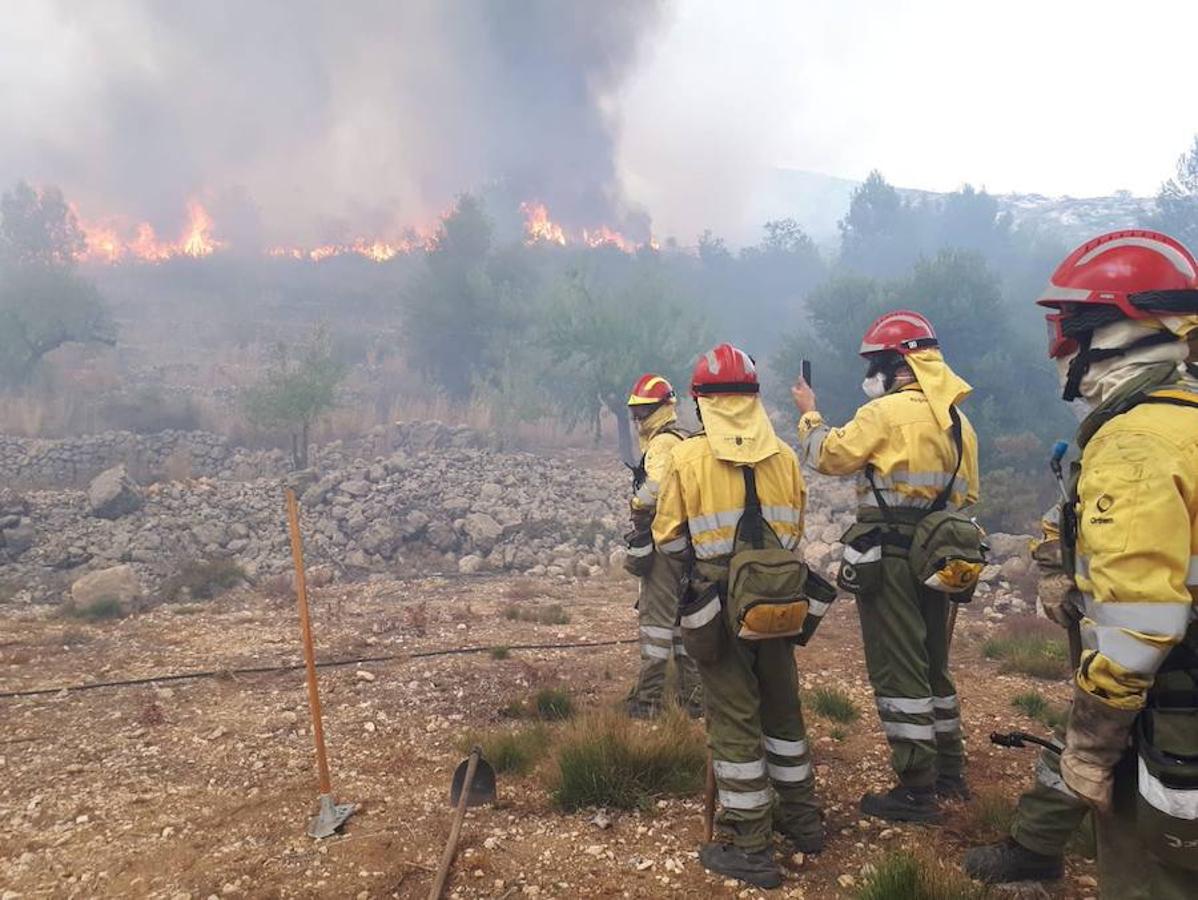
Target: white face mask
[{"x": 874, "y": 386}]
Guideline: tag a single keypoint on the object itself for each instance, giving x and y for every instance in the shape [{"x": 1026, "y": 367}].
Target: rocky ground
[
  {"x": 436, "y": 502},
  {"x": 202, "y": 788}
]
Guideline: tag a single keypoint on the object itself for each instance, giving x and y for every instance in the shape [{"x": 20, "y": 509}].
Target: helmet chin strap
[{"x": 1080, "y": 365}]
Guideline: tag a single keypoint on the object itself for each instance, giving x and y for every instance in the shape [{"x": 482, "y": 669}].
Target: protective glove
[
  {"x": 642, "y": 519},
  {"x": 1061, "y": 599},
  {"x": 1095, "y": 741}
]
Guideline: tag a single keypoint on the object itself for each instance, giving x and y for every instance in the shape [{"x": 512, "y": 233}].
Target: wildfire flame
[
  {"x": 538, "y": 227},
  {"x": 606, "y": 237},
  {"x": 113, "y": 240},
  {"x": 105, "y": 244}
]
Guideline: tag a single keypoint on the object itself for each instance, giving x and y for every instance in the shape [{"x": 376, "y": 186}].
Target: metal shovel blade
[
  {"x": 480, "y": 791},
  {"x": 331, "y": 817}
]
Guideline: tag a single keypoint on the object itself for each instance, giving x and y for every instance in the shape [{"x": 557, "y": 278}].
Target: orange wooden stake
[{"x": 331, "y": 816}]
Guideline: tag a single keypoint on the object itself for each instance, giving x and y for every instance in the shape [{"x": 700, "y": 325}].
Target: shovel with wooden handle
[{"x": 473, "y": 785}]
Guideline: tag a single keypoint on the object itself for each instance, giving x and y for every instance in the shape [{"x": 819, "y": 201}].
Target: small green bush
[
  {"x": 1030, "y": 647},
  {"x": 1034, "y": 704},
  {"x": 102, "y": 610},
  {"x": 909, "y": 876},
  {"x": 500, "y": 653},
  {"x": 833, "y": 703},
  {"x": 512, "y": 752},
  {"x": 838, "y": 734},
  {"x": 607, "y": 760},
  {"x": 554, "y": 705},
  {"x": 1031, "y": 703},
  {"x": 203, "y": 579}
]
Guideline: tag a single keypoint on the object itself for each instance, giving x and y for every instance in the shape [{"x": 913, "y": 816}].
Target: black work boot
[
  {"x": 809, "y": 840},
  {"x": 903, "y": 804},
  {"x": 1011, "y": 861},
  {"x": 756, "y": 868},
  {"x": 952, "y": 787}
]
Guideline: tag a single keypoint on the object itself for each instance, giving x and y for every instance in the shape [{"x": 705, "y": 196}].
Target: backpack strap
[
  {"x": 941, "y": 501},
  {"x": 752, "y": 517}
]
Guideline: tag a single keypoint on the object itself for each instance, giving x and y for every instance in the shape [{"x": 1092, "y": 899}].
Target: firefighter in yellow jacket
[
  {"x": 736, "y": 472},
  {"x": 914, "y": 452},
  {"x": 652, "y": 406},
  {"x": 1123, "y": 306}
]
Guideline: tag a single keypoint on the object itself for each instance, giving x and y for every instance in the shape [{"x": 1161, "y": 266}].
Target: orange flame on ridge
[{"x": 108, "y": 240}]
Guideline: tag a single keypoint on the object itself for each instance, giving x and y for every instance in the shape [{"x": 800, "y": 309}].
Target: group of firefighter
[{"x": 717, "y": 518}]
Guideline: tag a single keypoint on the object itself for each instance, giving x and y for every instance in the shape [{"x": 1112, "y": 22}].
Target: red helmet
[
  {"x": 651, "y": 390},
  {"x": 724, "y": 370},
  {"x": 902, "y": 331},
  {"x": 1124, "y": 274}
]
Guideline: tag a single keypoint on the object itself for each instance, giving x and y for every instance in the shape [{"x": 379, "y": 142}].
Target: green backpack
[{"x": 948, "y": 548}]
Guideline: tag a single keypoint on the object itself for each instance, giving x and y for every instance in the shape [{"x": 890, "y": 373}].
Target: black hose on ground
[{"x": 295, "y": 667}]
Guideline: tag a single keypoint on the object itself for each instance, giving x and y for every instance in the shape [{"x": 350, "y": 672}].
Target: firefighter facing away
[
  {"x": 731, "y": 509},
  {"x": 652, "y": 406},
  {"x": 915, "y": 455},
  {"x": 1123, "y": 307}
]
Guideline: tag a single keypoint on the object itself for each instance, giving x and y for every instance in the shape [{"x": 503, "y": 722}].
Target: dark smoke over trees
[{"x": 303, "y": 120}]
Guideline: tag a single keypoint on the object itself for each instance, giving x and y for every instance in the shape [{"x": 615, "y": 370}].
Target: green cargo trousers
[
  {"x": 1048, "y": 813},
  {"x": 904, "y": 627},
  {"x": 758, "y": 743},
  {"x": 661, "y": 640},
  {"x": 1126, "y": 870}
]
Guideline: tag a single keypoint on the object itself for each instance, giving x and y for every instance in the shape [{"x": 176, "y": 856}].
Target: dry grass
[
  {"x": 513, "y": 751},
  {"x": 1030, "y": 646},
  {"x": 203, "y": 579},
  {"x": 554, "y": 704},
  {"x": 105, "y": 609},
  {"x": 607, "y": 760},
  {"x": 991, "y": 813},
  {"x": 908, "y": 875},
  {"x": 553, "y": 614}
]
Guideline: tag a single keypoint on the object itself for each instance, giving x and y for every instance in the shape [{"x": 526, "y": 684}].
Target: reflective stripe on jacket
[
  {"x": 913, "y": 458},
  {"x": 1137, "y": 560},
  {"x": 702, "y": 499}
]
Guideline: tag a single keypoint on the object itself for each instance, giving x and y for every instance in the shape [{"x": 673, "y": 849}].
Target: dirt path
[{"x": 203, "y": 788}]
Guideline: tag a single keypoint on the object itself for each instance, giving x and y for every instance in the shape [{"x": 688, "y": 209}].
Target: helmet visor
[{"x": 1059, "y": 343}]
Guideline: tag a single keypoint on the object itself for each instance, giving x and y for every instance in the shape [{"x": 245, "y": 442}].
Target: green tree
[
  {"x": 38, "y": 228},
  {"x": 1177, "y": 200},
  {"x": 879, "y": 234},
  {"x": 44, "y": 303},
  {"x": 297, "y": 388},
  {"x": 465, "y": 306},
  {"x": 601, "y": 336}
]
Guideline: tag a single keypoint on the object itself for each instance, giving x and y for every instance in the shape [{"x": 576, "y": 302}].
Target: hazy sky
[{"x": 1080, "y": 97}]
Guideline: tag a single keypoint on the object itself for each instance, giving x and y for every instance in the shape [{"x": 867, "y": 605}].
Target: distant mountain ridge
[{"x": 818, "y": 202}]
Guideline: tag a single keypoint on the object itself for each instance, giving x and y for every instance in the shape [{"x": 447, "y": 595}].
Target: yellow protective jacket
[
  {"x": 1137, "y": 547},
  {"x": 662, "y": 439},
  {"x": 703, "y": 497},
  {"x": 913, "y": 457}
]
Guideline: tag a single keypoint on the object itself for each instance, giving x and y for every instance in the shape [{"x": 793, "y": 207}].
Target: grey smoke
[{"x": 302, "y": 120}]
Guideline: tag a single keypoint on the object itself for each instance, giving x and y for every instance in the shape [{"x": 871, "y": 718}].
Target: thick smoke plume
[{"x": 300, "y": 120}]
